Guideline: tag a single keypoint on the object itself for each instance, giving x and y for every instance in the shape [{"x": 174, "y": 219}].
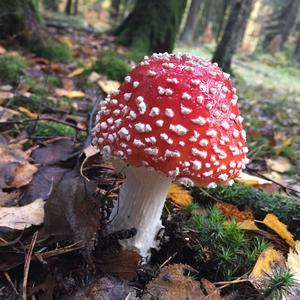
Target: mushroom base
[{"x": 140, "y": 204}]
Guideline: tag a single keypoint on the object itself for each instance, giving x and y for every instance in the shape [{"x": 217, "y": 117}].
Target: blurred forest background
[{"x": 60, "y": 58}]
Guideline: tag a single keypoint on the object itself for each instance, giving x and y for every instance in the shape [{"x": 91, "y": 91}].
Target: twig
[
  {"x": 27, "y": 264},
  {"x": 21, "y": 122},
  {"x": 69, "y": 248},
  {"x": 10, "y": 282},
  {"x": 167, "y": 260}
]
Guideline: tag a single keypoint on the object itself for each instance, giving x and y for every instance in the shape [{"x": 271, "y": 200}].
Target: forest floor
[{"x": 52, "y": 220}]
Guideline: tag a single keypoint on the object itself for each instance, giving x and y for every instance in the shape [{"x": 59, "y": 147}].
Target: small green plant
[
  {"x": 51, "y": 50},
  {"x": 224, "y": 246},
  {"x": 50, "y": 129},
  {"x": 12, "y": 67},
  {"x": 112, "y": 65},
  {"x": 278, "y": 285}
]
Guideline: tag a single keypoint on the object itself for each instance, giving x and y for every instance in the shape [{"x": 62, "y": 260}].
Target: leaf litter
[{"x": 63, "y": 189}]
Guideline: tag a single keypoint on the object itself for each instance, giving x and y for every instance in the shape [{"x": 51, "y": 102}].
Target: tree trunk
[
  {"x": 297, "y": 49},
  {"x": 75, "y": 12},
  {"x": 278, "y": 31},
  {"x": 233, "y": 33},
  {"x": 152, "y": 26},
  {"x": 191, "y": 22},
  {"x": 115, "y": 10},
  {"x": 51, "y": 5},
  {"x": 68, "y": 8},
  {"x": 19, "y": 18}
]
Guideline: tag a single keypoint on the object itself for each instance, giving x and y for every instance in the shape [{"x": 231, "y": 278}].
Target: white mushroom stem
[{"x": 140, "y": 204}]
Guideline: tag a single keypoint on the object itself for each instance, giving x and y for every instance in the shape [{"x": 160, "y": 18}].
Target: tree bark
[
  {"x": 233, "y": 33},
  {"x": 115, "y": 10},
  {"x": 278, "y": 31},
  {"x": 152, "y": 26},
  {"x": 297, "y": 49},
  {"x": 75, "y": 11},
  {"x": 19, "y": 18},
  {"x": 68, "y": 8},
  {"x": 191, "y": 22}
]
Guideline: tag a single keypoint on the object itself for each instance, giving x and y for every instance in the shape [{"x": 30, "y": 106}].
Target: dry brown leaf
[
  {"x": 16, "y": 170},
  {"x": 6, "y": 95},
  {"x": 179, "y": 195},
  {"x": 67, "y": 84},
  {"x": 264, "y": 264},
  {"x": 7, "y": 199},
  {"x": 76, "y": 72},
  {"x": 39, "y": 60},
  {"x": 27, "y": 112},
  {"x": 93, "y": 77},
  {"x": 280, "y": 228},
  {"x": 232, "y": 211},
  {"x": 22, "y": 217},
  {"x": 6, "y": 113},
  {"x": 69, "y": 94},
  {"x": 281, "y": 164},
  {"x": 108, "y": 85},
  {"x": 171, "y": 284}
]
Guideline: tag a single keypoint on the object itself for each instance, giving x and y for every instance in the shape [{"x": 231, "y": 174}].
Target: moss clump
[
  {"x": 224, "y": 246},
  {"x": 50, "y": 129},
  {"x": 51, "y": 50},
  {"x": 286, "y": 208},
  {"x": 12, "y": 67},
  {"x": 112, "y": 65}
]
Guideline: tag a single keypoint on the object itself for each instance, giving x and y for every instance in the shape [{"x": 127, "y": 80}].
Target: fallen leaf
[
  {"x": 171, "y": 284},
  {"x": 179, "y": 195},
  {"x": 281, "y": 164},
  {"x": 93, "y": 77},
  {"x": 69, "y": 94},
  {"x": 280, "y": 228},
  {"x": 16, "y": 170},
  {"x": 264, "y": 264},
  {"x": 212, "y": 292},
  {"x": 251, "y": 180},
  {"x": 6, "y": 95},
  {"x": 232, "y": 211},
  {"x": 108, "y": 86},
  {"x": 67, "y": 84},
  {"x": 7, "y": 199},
  {"x": 58, "y": 68},
  {"x": 105, "y": 288},
  {"x": 67, "y": 41},
  {"x": 122, "y": 264},
  {"x": 6, "y": 114},
  {"x": 22, "y": 217},
  {"x": 39, "y": 60},
  {"x": 293, "y": 261},
  {"x": 76, "y": 72},
  {"x": 27, "y": 112},
  {"x": 248, "y": 225}
]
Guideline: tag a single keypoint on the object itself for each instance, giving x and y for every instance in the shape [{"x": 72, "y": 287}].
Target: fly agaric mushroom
[{"x": 175, "y": 116}]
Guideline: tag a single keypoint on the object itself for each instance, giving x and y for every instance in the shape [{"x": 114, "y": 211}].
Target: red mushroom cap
[{"x": 178, "y": 114}]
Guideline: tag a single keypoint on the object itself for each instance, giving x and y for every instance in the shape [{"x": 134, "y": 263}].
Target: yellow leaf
[
  {"x": 266, "y": 260},
  {"x": 67, "y": 41},
  {"x": 280, "y": 228},
  {"x": 248, "y": 225},
  {"x": 27, "y": 112},
  {"x": 108, "y": 85},
  {"x": 69, "y": 94},
  {"x": 179, "y": 195},
  {"x": 281, "y": 164},
  {"x": 293, "y": 261},
  {"x": 251, "y": 180},
  {"x": 76, "y": 72}
]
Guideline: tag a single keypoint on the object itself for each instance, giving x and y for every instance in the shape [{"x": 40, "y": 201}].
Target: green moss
[
  {"x": 12, "y": 67},
  {"x": 286, "y": 208},
  {"x": 50, "y": 129},
  {"x": 224, "y": 246},
  {"x": 51, "y": 50},
  {"x": 112, "y": 65},
  {"x": 52, "y": 81}
]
